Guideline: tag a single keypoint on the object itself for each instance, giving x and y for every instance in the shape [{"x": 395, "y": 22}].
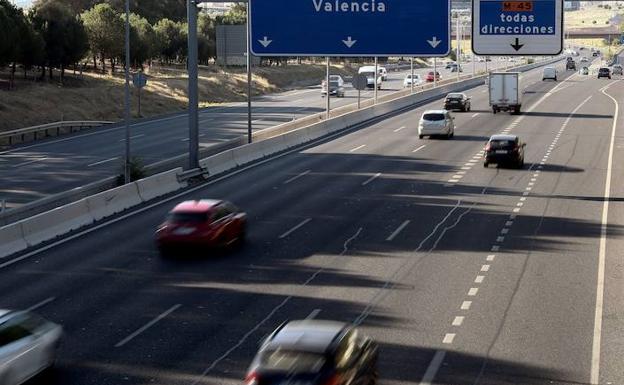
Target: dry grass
[
  {"x": 585, "y": 17},
  {"x": 99, "y": 97}
]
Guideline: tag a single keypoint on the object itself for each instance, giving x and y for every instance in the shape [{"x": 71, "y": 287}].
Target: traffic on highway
[{"x": 458, "y": 222}]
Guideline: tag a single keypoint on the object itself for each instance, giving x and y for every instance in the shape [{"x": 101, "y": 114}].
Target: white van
[
  {"x": 549, "y": 73},
  {"x": 383, "y": 73},
  {"x": 369, "y": 71}
]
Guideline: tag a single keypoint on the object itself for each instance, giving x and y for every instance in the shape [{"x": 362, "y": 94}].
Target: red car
[
  {"x": 429, "y": 77},
  {"x": 203, "y": 223}
]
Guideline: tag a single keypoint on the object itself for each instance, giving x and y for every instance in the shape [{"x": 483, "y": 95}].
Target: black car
[
  {"x": 504, "y": 150},
  {"x": 571, "y": 65},
  {"x": 596, "y": 54},
  {"x": 457, "y": 101},
  {"x": 315, "y": 352},
  {"x": 604, "y": 72}
]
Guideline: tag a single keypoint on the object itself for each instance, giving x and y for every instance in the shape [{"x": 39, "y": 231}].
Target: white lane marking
[
  {"x": 505, "y": 231},
  {"x": 103, "y": 161},
  {"x": 448, "y": 338},
  {"x": 420, "y": 148},
  {"x": 519, "y": 204},
  {"x": 297, "y": 227},
  {"x": 475, "y": 115},
  {"x": 147, "y": 326},
  {"x": 457, "y": 176},
  {"x": 500, "y": 239},
  {"x": 495, "y": 248},
  {"x": 453, "y": 180},
  {"x": 133, "y": 137},
  {"x": 531, "y": 184},
  {"x": 31, "y": 162},
  {"x": 509, "y": 223},
  {"x": 526, "y": 193},
  {"x": 461, "y": 172},
  {"x": 485, "y": 268},
  {"x": 466, "y": 305},
  {"x": 372, "y": 178},
  {"x": 473, "y": 291},
  {"x": 516, "y": 210},
  {"x": 433, "y": 368},
  {"x": 294, "y": 178},
  {"x": 529, "y": 188},
  {"x": 314, "y": 313},
  {"x": 399, "y": 129},
  {"x": 184, "y": 140},
  {"x": 479, "y": 279},
  {"x": 41, "y": 304},
  {"x": 523, "y": 199},
  {"x": 357, "y": 148},
  {"x": 466, "y": 168},
  {"x": 602, "y": 253},
  {"x": 458, "y": 321},
  {"x": 490, "y": 257},
  {"x": 398, "y": 230}
]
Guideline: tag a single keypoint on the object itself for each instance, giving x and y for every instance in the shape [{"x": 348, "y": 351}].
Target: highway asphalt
[
  {"x": 34, "y": 171},
  {"x": 463, "y": 274}
]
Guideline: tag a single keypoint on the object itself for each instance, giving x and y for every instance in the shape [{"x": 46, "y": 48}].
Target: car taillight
[
  {"x": 488, "y": 147},
  {"x": 252, "y": 379},
  {"x": 333, "y": 380},
  {"x": 516, "y": 149}
]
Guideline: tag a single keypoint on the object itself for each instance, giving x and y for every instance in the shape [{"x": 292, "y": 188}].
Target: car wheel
[
  {"x": 494, "y": 110},
  {"x": 469, "y": 108},
  {"x": 485, "y": 164},
  {"x": 374, "y": 377},
  {"x": 420, "y": 136}
]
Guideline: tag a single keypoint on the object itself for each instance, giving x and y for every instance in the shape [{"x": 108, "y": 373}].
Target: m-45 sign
[
  {"x": 517, "y": 27},
  {"x": 350, "y": 27}
]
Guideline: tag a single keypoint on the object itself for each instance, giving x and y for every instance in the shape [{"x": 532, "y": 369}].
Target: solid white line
[
  {"x": 41, "y": 304},
  {"x": 30, "y": 162},
  {"x": 357, "y": 148},
  {"x": 294, "y": 178},
  {"x": 303, "y": 223},
  {"x": 398, "y": 230},
  {"x": 314, "y": 313},
  {"x": 433, "y": 368},
  {"x": 448, "y": 338},
  {"x": 420, "y": 148},
  {"x": 133, "y": 137},
  {"x": 372, "y": 178},
  {"x": 602, "y": 253},
  {"x": 458, "y": 321},
  {"x": 146, "y": 326},
  {"x": 102, "y": 162},
  {"x": 399, "y": 129}
]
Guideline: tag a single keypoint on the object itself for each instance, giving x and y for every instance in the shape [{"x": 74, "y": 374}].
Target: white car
[
  {"x": 407, "y": 82},
  {"x": 436, "y": 123},
  {"x": 28, "y": 346},
  {"x": 549, "y": 73},
  {"x": 584, "y": 59}
]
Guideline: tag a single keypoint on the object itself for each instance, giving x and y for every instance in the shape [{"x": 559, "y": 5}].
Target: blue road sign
[
  {"x": 350, "y": 27},
  {"x": 532, "y": 27}
]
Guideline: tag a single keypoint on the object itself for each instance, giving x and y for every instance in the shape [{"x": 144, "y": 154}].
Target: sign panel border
[
  {"x": 381, "y": 54},
  {"x": 475, "y": 29}
]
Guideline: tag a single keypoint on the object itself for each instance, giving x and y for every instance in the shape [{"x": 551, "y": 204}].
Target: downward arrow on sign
[
  {"x": 349, "y": 42},
  {"x": 517, "y": 46},
  {"x": 265, "y": 43}
]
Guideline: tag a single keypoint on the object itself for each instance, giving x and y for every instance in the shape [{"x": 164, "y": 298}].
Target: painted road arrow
[
  {"x": 434, "y": 42},
  {"x": 517, "y": 46},
  {"x": 349, "y": 42},
  {"x": 265, "y": 43}
]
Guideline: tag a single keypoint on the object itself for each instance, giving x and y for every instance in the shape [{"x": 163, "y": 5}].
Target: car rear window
[
  {"x": 292, "y": 361},
  {"x": 333, "y": 84},
  {"x": 454, "y": 96},
  {"x": 11, "y": 332},
  {"x": 604, "y": 70},
  {"x": 494, "y": 144},
  {"x": 433, "y": 117},
  {"x": 182, "y": 217}
]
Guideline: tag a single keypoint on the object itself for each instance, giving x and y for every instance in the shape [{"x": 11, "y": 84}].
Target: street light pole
[
  {"x": 249, "y": 78},
  {"x": 327, "y": 87},
  {"x": 192, "y": 86},
  {"x": 127, "y": 97},
  {"x": 457, "y": 35},
  {"x": 376, "y": 79},
  {"x": 412, "y": 75}
]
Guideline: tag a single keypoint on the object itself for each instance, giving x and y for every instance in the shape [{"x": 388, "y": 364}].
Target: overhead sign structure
[
  {"x": 522, "y": 28},
  {"x": 350, "y": 27}
]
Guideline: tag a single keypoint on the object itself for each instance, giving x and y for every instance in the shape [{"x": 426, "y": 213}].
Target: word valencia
[{"x": 349, "y": 6}]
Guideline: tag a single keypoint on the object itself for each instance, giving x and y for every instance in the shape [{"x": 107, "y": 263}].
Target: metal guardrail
[{"x": 30, "y": 134}]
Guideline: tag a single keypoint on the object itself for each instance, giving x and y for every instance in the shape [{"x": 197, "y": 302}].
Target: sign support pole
[
  {"x": 376, "y": 78},
  {"x": 412, "y": 70},
  {"x": 127, "y": 96},
  {"x": 457, "y": 33},
  {"x": 328, "y": 89},
  {"x": 192, "y": 89},
  {"x": 249, "y": 78}
]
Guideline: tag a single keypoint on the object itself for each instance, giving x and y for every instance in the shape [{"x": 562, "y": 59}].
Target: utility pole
[
  {"x": 192, "y": 86},
  {"x": 127, "y": 170}
]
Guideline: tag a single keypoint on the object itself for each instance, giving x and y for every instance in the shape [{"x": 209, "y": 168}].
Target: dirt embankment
[{"x": 100, "y": 97}]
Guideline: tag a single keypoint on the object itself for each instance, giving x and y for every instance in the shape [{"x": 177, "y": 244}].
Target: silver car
[
  {"x": 436, "y": 123},
  {"x": 28, "y": 346}
]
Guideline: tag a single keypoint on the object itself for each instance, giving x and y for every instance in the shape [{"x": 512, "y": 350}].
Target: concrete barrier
[
  {"x": 219, "y": 163},
  {"x": 247, "y": 154},
  {"x": 159, "y": 184},
  {"x": 51, "y": 224},
  {"x": 11, "y": 240},
  {"x": 113, "y": 201}
]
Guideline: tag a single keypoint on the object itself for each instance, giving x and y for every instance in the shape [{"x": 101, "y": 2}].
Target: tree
[
  {"x": 9, "y": 32},
  {"x": 237, "y": 15},
  {"x": 143, "y": 44},
  {"x": 172, "y": 39},
  {"x": 63, "y": 33},
  {"x": 105, "y": 31}
]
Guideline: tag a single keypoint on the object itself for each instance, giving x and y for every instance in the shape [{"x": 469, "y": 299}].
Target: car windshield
[
  {"x": 187, "y": 217},
  {"x": 292, "y": 361},
  {"x": 433, "y": 117}
]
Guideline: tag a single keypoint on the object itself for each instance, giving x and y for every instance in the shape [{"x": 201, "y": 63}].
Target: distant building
[
  {"x": 215, "y": 8},
  {"x": 572, "y": 5}
]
